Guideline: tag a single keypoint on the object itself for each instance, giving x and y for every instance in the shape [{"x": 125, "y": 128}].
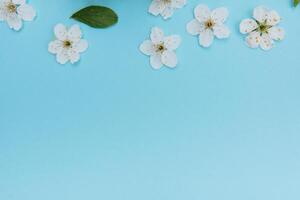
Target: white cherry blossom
[
  {"x": 165, "y": 8},
  {"x": 68, "y": 44},
  {"x": 208, "y": 24},
  {"x": 14, "y": 11},
  {"x": 262, "y": 30},
  {"x": 161, "y": 49}
]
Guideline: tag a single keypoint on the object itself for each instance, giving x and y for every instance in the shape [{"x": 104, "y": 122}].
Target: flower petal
[
  {"x": 19, "y": 2},
  {"x": 172, "y": 42},
  {"x": 202, "y": 13},
  {"x": 247, "y": 26},
  {"x": 157, "y": 35},
  {"x": 55, "y": 46},
  {"x": 81, "y": 46},
  {"x": 3, "y": 10},
  {"x": 178, "y": 3},
  {"x": 194, "y": 27},
  {"x": 276, "y": 33},
  {"x": 155, "y": 61},
  {"x": 253, "y": 39},
  {"x": 15, "y": 22},
  {"x": 221, "y": 31},
  {"x": 273, "y": 18},
  {"x": 60, "y": 32},
  {"x": 73, "y": 56},
  {"x": 206, "y": 38},
  {"x": 147, "y": 48},
  {"x": 266, "y": 43},
  {"x": 26, "y": 12},
  {"x": 2, "y": 14},
  {"x": 260, "y": 14},
  {"x": 62, "y": 57},
  {"x": 220, "y": 15},
  {"x": 169, "y": 59},
  {"x": 74, "y": 33},
  {"x": 156, "y": 7},
  {"x": 167, "y": 12},
  {"x": 2, "y": 2}
]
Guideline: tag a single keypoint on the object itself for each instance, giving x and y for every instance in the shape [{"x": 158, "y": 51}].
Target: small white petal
[
  {"x": 19, "y": 2},
  {"x": 3, "y": 14},
  {"x": 60, "y": 32},
  {"x": 157, "y": 35},
  {"x": 172, "y": 42},
  {"x": 147, "y": 48},
  {"x": 169, "y": 59},
  {"x": 155, "y": 61},
  {"x": 221, "y": 31},
  {"x": 253, "y": 39},
  {"x": 55, "y": 46},
  {"x": 194, "y": 27},
  {"x": 202, "y": 13},
  {"x": 81, "y": 46},
  {"x": 276, "y": 33},
  {"x": 26, "y": 12},
  {"x": 2, "y": 2},
  {"x": 167, "y": 12},
  {"x": 15, "y": 22},
  {"x": 206, "y": 38},
  {"x": 260, "y": 14},
  {"x": 74, "y": 33},
  {"x": 266, "y": 43},
  {"x": 273, "y": 18},
  {"x": 220, "y": 15},
  {"x": 178, "y": 3},
  {"x": 248, "y": 25},
  {"x": 73, "y": 56},
  {"x": 62, "y": 57},
  {"x": 3, "y": 9},
  {"x": 156, "y": 7}
]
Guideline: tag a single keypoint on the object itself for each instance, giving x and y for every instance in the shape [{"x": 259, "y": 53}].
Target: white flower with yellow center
[
  {"x": 161, "y": 49},
  {"x": 262, "y": 29},
  {"x": 68, "y": 44},
  {"x": 208, "y": 24},
  {"x": 165, "y": 8},
  {"x": 14, "y": 11}
]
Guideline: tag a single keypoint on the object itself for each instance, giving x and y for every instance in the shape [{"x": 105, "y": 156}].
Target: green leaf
[
  {"x": 296, "y": 2},
  {"x": 96, "y": 16}
]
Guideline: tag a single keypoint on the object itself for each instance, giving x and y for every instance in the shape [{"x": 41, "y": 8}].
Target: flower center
[
  {"x": 263, "y": 27},
  {"x": 11, "y": 7},
  {"x": 160, "y": 48},
  {"x": 166, "y": 1},
  {"x": 67, "y": 44},
  {"x": 209, "y": 24}
]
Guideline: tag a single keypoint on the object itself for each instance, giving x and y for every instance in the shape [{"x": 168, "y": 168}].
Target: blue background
[{"x": 225, "y": 124}]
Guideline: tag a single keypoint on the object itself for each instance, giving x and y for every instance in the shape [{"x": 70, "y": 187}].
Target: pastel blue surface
[{"x": 225, "y": 124}]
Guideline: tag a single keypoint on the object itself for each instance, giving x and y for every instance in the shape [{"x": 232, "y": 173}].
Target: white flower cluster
[
  {"x": 207, "y": 25},
  {"x": 262, "y": 30},
  {"x": 14, "y": 11}
]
